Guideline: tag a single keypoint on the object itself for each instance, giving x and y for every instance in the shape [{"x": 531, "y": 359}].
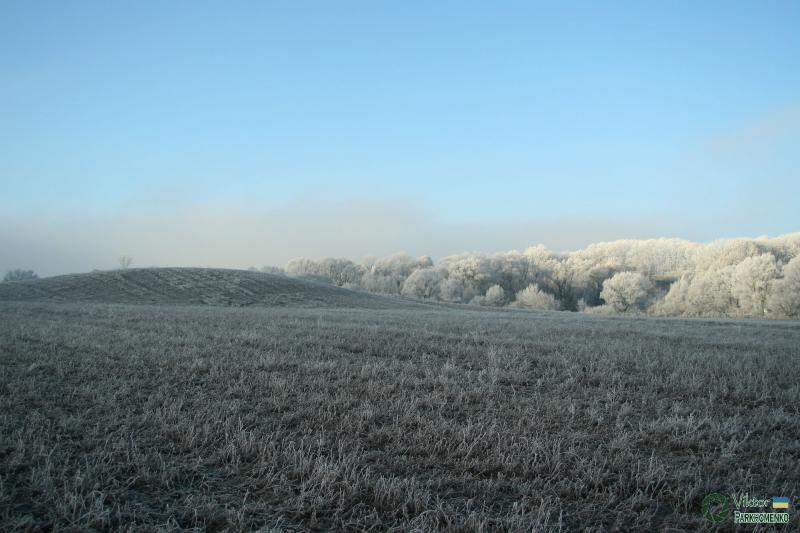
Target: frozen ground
[{"x": 316, "y": 408}]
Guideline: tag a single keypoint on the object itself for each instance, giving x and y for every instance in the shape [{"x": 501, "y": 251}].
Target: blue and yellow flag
[{"x": 780, "y": 502}]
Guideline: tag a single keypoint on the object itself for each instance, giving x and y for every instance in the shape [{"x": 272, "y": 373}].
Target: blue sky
[{"x": 467, "y": 113}]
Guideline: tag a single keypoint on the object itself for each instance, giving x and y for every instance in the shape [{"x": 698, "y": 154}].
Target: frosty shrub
[
  {"x": 532, "y": 297},
  {"x": 495, "y": 296},
  {"x": 19, "y": 275}
]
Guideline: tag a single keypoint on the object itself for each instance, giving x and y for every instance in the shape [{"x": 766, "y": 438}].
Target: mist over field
[{"x": 240, "y": 236}]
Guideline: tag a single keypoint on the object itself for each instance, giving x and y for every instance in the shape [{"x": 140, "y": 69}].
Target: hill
[{"x": 198, "y": 286}]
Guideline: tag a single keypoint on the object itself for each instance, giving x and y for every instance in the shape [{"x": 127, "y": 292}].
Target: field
[{"x": 126, "y": 403}]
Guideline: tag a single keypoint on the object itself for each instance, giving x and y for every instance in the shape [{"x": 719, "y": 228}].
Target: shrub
[
  {"x": 532, "y": 297},
  {"x": 19, "y": 275}
]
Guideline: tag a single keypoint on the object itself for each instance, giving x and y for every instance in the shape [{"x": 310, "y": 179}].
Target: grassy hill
[{"x": 204, "y": 286}]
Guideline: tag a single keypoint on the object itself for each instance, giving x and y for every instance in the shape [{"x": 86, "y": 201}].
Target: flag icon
[{"x": 780, "y": 502}]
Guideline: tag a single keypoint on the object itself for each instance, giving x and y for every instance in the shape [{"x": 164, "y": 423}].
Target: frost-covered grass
[
  {"x": 220, "y": 418},
  {"x": 197, "y": 286}
]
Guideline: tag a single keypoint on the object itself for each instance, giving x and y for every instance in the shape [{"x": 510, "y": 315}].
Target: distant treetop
[{"x": 19, "y": 275}]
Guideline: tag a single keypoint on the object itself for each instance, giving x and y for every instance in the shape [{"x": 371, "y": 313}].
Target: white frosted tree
[
  {"x": 675, "y": 302},
  {"x": 709, "y": 294},
  {"x": 423, "y": 283},
  {"x": 627, "y": 291},
  {"x": 542, "y": 265},
  {"x": 473, "y": 270},
  {"x": 381, "y": 283},
  {"x": 590, "y": 275},
  {"x": 388, "y": 274},
  {"x": 495, "y": 296},
  {"x": 301, "y": 266},
  {"x": 751, "y": 282},
  {"x": 451, "y": 290},
  {"x": 510, "y": 270},
  {"x": 341, "y": 271},
  {"x": 19, "y": 275},
  {"x": 399, "y": 265},
  {"x": 424, "y": 262},
  {"x": 270, "y": 269},
  {"x": 733, "y": 277},
  {"x": 784, "y": 297},
  {"x": 532, "y": 297},
  {"x": 728, "y": 252}
]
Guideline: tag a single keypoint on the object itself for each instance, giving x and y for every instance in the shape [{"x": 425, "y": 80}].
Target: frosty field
[{"x": 298, "y": 414}]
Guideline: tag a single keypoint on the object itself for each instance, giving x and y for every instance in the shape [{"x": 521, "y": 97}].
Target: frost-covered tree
[
  {"x": 124, "y": 261},
  {"x": 784, "y": 247},
  {"x": 532, "y": 297},
  {"x": 627, "y": 291},
  {"x": 399, "y": 265},
  {"x": 269, "y": 269},
  {"x": 751, "y": 282},
  {"x": 19, "y": 275},
  {"x": 590, "y": 281},
  {"x": 727, "y": 252},
  {"x": 387, "y": 275},
  {"x": 339, "y": 271},
  {"x": 510, "y": 270},
  {"x": 543, "y": 264},
  {"x": 563, "y": 285},
  {"x": 473, "y": 270},
  {"x": 652, "y": 257},
  {"x": 423, "y": 283},
  {"x": 784, "y": 298},
  {"x": 451, "y": 290},
  {"x": 300, "y": 266},
  {"x": 495, "y": 297},
  {"x": 424, "y": 262},
  {"x": 381, "y": 283},
  {"x": 675, "y": 302},
  {"x": 733, "y": 277},
  {"x": 709, "y": 294}
]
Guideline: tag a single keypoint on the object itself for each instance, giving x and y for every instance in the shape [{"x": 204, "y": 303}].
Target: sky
[{"x": 247, "y": 133}]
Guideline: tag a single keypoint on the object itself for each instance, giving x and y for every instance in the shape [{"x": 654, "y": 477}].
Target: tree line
[
  {"x": 744, "y": 277},
  {"x": 735, "y": 278}
]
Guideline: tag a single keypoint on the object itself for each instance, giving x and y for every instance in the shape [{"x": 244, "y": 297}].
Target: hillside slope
[{"x": 207, "y": 286}]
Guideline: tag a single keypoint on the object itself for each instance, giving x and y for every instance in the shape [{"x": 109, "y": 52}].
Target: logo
[
  {"x": 780, "y": 502},
  {"x": 716, "y": 507}
]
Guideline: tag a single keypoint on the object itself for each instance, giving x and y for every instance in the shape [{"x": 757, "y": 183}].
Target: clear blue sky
[{"x": 477, "y": 112}]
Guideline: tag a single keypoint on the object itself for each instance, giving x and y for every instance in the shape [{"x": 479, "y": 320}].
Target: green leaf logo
[{"x": 715, "y": 507}]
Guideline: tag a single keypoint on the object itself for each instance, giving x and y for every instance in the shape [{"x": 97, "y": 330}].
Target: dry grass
[{"x": 297, "y": 419}]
